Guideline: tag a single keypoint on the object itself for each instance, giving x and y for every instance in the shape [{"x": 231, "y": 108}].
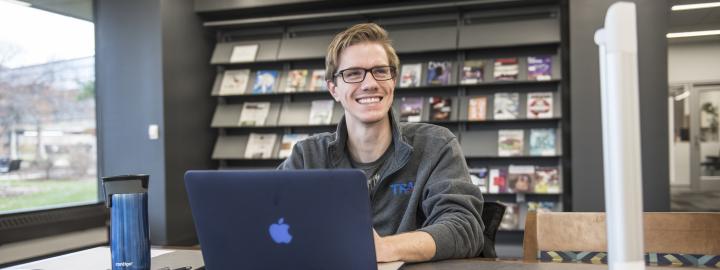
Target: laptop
[{"x": 269, "y": 219}]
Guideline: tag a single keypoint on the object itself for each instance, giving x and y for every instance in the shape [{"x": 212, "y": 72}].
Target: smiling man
[{"x": 424, "y": 205}]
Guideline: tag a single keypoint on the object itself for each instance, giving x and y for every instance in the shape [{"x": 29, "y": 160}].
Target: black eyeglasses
[{"x": 356, "y": 75}]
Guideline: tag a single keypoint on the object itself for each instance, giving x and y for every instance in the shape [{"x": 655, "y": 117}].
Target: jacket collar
[{"x": 401, "y": 152}]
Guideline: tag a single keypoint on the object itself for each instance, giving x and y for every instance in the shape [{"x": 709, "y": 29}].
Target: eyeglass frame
[{"x": 393, "y": 73}]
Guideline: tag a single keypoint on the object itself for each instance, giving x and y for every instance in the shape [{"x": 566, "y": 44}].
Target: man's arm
[{"x": 414, "y": 246}]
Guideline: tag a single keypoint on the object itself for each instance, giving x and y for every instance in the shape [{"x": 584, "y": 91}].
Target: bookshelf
[{"x": 469, "y": 32}]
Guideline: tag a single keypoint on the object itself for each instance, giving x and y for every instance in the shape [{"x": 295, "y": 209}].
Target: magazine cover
[
  {"x": 260, "y": 146},
  {"x": 440, "y": 108},
  {"x": 497, "y": 180},
  {"x": 410, "y": 75},
  {"x": 539, "y": 68},
  {"x": 321, "y": 112},
  {"x": 479, "y": 177},
  {"x": 506, "y": 69},
  {"x": 477, "y": 108},
  {"x": 472, "y": 72},
  {"x": 254, "y": 113},
  {"x": 439, "y": 72},
  {"x": 540, "y": 105},
  {"x": 542, "y": 207},
  {"x": 506, "y": 106},
  {"x": 542, "y": 142},
  {"x": 411, "y": 109},
  {"x": 234, "y": 82},
  {"x": 265, "y": 81},
  {"x": 520, "y": 179},
  {"x": 511, "y": 219},
  {"x": 547, "y": 180},
  {"x": 510, "y": 142},
  {"x": 317, "y": 80},
  {"x": 296, "y": 80},
  {"x": 288, "y": 141}
]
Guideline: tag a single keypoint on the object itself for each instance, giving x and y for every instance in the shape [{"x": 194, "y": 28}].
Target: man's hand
[{"x": 408, "y": 247}]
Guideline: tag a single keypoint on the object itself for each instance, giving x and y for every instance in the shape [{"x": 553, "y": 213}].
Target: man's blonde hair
[{"x": 359, "y": 33}]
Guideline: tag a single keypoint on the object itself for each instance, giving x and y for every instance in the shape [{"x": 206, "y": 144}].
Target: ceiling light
[
  {"x": 696, "y": 6},
  {"x": 17, "y": 2},
  {"x": 693, "y": 34},
  {"x": 682, "y": 96}
]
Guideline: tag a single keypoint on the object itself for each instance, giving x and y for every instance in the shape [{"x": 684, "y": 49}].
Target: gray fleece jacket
[{"x": 424, "y": 185}]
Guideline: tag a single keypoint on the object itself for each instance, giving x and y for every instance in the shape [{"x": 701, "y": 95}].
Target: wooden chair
[{"x": 678, "y": 239}]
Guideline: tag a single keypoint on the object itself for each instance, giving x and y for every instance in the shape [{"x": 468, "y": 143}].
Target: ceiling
[{"x": 81, "y": 9}]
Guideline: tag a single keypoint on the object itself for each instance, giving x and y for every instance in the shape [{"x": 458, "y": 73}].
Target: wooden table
[{"x": 488, "y": 264}]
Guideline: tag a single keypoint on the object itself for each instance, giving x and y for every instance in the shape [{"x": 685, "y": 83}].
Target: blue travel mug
[{"x": 126, "y": 196}]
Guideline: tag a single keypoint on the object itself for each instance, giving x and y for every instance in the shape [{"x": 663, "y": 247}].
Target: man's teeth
[{"x": 368, "y": 100}]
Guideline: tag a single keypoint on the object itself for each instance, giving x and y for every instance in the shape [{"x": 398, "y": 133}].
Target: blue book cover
[{"x": 265, "y": 81}]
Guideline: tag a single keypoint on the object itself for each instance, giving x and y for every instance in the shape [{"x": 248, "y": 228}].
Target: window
[{"x": 48, "y": 153}]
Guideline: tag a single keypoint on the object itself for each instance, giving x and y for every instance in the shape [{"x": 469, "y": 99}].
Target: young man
[{"x": 424, "y": 205}]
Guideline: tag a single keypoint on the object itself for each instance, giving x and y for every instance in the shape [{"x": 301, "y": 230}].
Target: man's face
[{"x": 368, "y": 101}]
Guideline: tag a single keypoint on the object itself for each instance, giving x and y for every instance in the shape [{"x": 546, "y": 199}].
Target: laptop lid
[{"x": 301, "y": 219}]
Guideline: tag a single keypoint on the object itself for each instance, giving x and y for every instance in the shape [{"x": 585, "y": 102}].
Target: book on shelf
[
  {"x": 539, "y": 68},
  {"x": 254, "y": 113},
  {"x": 510, "y": 142},
  {"x": 410, "y": 75},
  {"x": 497, "y": 180},
  {"x": 288, "y": 142},
  {"x": 234, "y": 82},
  {"x": 520, "y": 179},
  {"x": 472, "y": 72},
  {"x": 506, "y": 106},
  {"x": 477, "y": 108},
  {"x": 260, "y": 145},
  {"x": 243, "y": 53},
  {"x": 296, "y": 80},
  {"x": 506, "y": 69},
  {"x": 542, "y": 142},
  {"x": 440, "y": 108},
  {"x": 542, "y": 206},
  {"x": 547, "y": 180},
  {"x": 540, "y": 105},
  {"x": 265, "y": 81},
  {"x": 321, "y": 112},
  {"x": 511, "y": 218},
  {"x": 479, "y": 177},
  {"x": 439, "y": 72},
  {"x": 411, "y": 109},
  {"x": 317, "y": 80}
]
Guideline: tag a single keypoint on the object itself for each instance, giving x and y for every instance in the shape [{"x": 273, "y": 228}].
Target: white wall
[{"x": 694, "y": 62}]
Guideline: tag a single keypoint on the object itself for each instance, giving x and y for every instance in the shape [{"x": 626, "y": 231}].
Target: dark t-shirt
[{"x": 372, "y": 169}]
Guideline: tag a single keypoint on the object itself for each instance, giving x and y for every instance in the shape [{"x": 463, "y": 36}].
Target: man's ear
[{"x": 332, "y": 89}]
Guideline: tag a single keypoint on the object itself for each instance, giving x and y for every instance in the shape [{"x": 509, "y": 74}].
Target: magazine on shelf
[
  {"x": 243, "y": 53},
  {"x": 547, "y": 180},
  {"x": 539, "y": 68},
  {"x": 440, "y": 108},
  {"x": 411, "y": 109},
  {"x": 542, "y": 207},
  {"x": 510, "y": 142},
  {"x": 410, "y": 75},
  {"x": 288, "y": 141},
  {"x": 542, "y": 142},
  {"x": 234, "y": 82},
  {"x": 520, "y": 179},
  {"x": 254, "y": 113},
  {"x": 506, "y": 106},
  {"x": 472, "y": 72},
  {"x": 321, "y": 112},
  {"x": 506, "y": 69},
  {"x": 260, "y": 146},
  {"x": 317, "y": 80},
  {"x": 265, "y": 81},
  {"x": 497, "y": 180},
  {"x": 296, "y": 80},
  {"x": 479, "y": 177},
  {"x": 477, "y": 108},
  {"x": 540, "y": 105},
  {"x": 439, "y": 72},
  {"x": 511, "y": 219}
]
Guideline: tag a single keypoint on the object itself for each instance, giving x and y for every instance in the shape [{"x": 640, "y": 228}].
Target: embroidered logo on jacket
[{"x": 402, "y": 188}]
